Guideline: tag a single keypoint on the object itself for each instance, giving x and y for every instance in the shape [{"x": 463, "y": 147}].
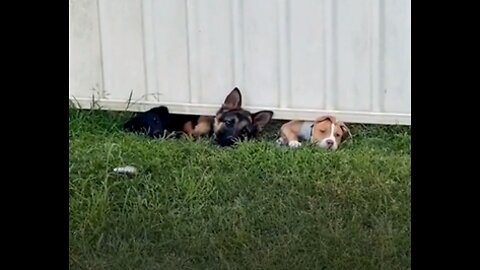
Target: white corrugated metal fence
[{"x": 300, "y": 58}]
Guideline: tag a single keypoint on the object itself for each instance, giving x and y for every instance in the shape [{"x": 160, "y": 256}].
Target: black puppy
[
  {"x": 158, "y": 121},
  {"x": 152, "y": 123}
]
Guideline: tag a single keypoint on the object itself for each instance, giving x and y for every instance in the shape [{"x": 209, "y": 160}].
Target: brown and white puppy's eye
[{"x": 338, "y": 134}]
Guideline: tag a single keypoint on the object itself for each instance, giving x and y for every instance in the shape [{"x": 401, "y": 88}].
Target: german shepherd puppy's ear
[
  {"x": 261, "y": 119},
  {"x": 233, "y": 100}
]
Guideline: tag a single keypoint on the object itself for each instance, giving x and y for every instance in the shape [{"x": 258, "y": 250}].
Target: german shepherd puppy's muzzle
[{"x": 232, "y": 123}]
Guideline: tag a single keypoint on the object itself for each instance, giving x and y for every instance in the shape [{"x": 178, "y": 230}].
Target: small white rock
[{"x": 129, "y": 170}]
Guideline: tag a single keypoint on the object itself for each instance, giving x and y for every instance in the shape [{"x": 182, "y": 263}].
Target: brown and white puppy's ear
[
  {"x": 345, "y": 130},
  {"x": 233, "y": 100},
  {"x": 260, "y": 120},
  {"x": 332, "y": 119}
]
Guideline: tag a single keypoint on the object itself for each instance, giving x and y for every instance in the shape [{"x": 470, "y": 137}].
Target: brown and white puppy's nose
[
  {"x": 329, "y": 143},
  {"x": 328, "y": 133}
]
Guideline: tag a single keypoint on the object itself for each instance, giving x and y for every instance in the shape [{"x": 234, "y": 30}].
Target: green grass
[{"x": 255, "y": 206}]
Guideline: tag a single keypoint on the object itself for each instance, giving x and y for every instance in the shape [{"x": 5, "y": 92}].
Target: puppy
[
  {"x": 325, "y": 131},
  {"x": 151, "y": 123},
  {"x": 158, "y": 122},
  {"x": 232, "y": 123}
]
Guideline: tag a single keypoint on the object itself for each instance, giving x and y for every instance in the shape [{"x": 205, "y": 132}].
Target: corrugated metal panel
[{"x": 300, "y": 58}]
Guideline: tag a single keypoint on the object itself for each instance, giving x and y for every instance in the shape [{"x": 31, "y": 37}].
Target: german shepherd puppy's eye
[
  {"x": 232, "y": 123},
  {"x": 229, "y": 123}
]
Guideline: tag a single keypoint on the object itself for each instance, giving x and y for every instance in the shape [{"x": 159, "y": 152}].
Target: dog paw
[
  {"x": 294, "y": 144},
  {"x": 280, "y": 141}
]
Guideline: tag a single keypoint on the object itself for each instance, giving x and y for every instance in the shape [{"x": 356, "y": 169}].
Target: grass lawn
[{"x": 256, "y": 206}]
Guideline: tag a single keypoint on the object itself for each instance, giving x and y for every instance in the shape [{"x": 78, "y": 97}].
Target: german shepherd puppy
[{"x": 232, "y": 123}]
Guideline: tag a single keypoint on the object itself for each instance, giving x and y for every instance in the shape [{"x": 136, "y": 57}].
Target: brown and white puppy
[
  {"x": 325, "y": 131},
  {"x": 232, "y": 123}
]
